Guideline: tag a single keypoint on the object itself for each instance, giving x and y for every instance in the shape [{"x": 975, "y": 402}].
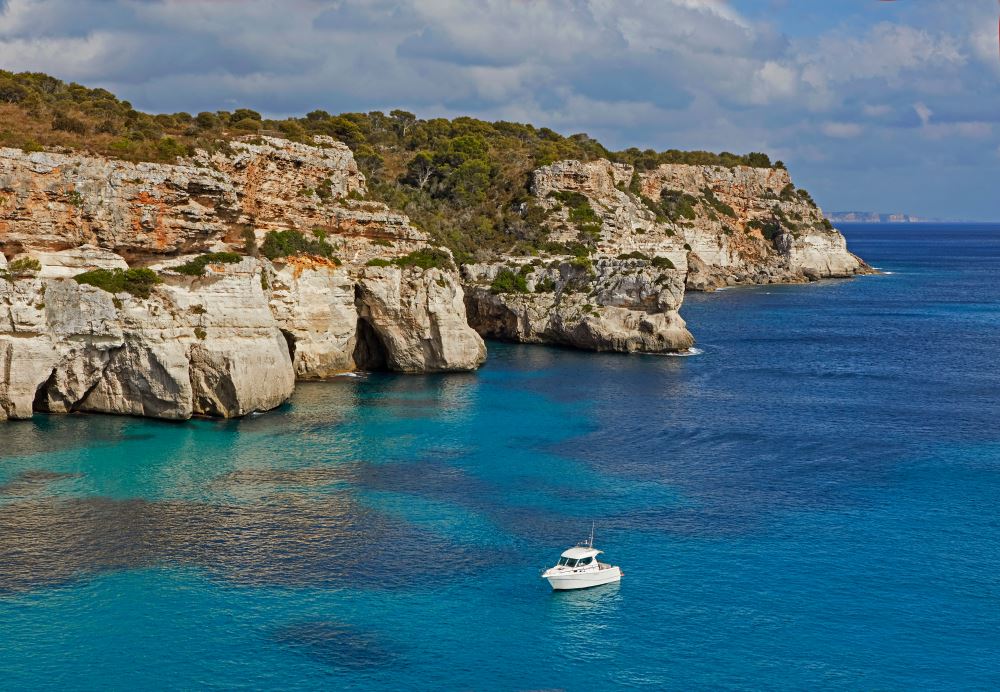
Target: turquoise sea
[{"x": 813, "y": 502}]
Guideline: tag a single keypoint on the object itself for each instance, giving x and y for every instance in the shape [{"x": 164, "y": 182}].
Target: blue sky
[{"x": 873, "y": 105}]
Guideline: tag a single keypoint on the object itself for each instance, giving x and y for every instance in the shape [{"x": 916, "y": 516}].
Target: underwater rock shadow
[
  {"x": 287, "y": 540},
  {"x": 32, "y": 481},
  {"x": 336, "y": 644}
]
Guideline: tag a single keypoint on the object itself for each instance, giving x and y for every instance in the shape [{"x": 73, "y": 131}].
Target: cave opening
[
  {"x": 369, "y": 350},
  {"x": 290, "y": 343},
  {"x": 40, "y": 404}
]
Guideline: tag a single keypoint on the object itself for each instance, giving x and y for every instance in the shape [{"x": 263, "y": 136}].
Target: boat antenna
[{"x": 591, "y": 535}]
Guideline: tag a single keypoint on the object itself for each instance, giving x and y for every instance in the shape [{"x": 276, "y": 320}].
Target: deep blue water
[{"x": 813, "y": 502}]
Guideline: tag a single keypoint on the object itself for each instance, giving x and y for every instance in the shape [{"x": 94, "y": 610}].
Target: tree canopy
[{"x": 464, "y": 181}]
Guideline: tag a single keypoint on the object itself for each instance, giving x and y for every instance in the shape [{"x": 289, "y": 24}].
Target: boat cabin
[{"x": 579, "y": 556}]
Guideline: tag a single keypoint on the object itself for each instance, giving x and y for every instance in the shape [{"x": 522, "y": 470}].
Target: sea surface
[{"x": 813, "y": 502}]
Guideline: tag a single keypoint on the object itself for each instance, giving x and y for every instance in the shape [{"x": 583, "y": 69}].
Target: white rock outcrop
[
  {"x": 235, "y": 339},
  {"x": 624, "y": 305},
  {"x": 206, "y": 346},
  {"x": 650, "y": 236},
  {"x": 418, "y": 318}
]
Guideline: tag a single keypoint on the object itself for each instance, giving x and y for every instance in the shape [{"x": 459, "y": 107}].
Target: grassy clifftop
[{"x": 464, "y": 181}]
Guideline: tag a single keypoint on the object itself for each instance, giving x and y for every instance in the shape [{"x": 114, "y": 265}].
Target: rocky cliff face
[
  {"x": 623, "y": 246},
  {"x": 141, "y": 210},
  {"x": 338, "y": 319},
  {"x": 748, "y": 226},
  {"x": 650, "y": 235},
  {"x": 602, "y": 305},
  {"x": 229, "y": 342},
  {"x": 195, "y": 347}
]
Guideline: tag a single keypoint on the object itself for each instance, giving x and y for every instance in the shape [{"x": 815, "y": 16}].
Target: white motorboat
[{"x": 579, "y": 568}]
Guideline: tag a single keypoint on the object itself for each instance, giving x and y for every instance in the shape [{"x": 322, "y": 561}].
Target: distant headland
[{"x": 876, "y": 217}]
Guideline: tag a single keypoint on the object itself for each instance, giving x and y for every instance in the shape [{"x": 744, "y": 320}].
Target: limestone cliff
[
  {"x": 648, "y": 236},
  {"x": 604, "y": 305},
  {"x": 231, "y": 337},
  {"x": 194, "y": 347},
  {"x": 230, "y": 341}
]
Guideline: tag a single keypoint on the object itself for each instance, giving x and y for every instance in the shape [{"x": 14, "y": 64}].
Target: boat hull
[{"x": 584, "y": 580}]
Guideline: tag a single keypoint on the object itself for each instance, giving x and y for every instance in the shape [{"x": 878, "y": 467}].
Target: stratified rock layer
[
  {"x": 419, "y": 319},
  {"x": 234, "y": 340},
  {"x": 727, "y": 226},
  {"x": 195, "y": 347},
  {"x": 606, "y": 305}
]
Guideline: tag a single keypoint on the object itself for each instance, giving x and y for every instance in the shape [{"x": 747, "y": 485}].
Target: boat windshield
[
  {"x": 584, "y": 561},
  {"x": 567, "y": 562}
]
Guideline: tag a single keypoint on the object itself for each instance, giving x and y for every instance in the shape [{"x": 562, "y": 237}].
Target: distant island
[{"x": 876, "y": 217}]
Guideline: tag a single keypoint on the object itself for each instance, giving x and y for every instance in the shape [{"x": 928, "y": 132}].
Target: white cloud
[
  {"x": 841, "y": 130},
  {"x": 876, "y": 110},
  {"x": 885, "y": 52},
  {"x": 646, "y": 73},
  {"x": 90, "y": 54},
  {"x": 773, "y": 81},
  {"x": 924, "y": 113}
]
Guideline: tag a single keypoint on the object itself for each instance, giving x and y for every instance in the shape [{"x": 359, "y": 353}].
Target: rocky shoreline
[{"x": 232, "y": 335}]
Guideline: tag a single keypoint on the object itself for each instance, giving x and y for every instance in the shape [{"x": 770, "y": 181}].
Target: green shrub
[
  {"x": 507, "y": 281},
  {"x": 546, "y": 285},
  {"x": 426, "y": 258},
  {"x": 802, "y": 193},
  {"x": 663, "y": 263},
  {"x": 716, "y": 203},
  {"x": 196, "y": 267},
  {"x": 68, "y": 123},
  {"x": 770, "y": 228},
  {"x": 581, "y": 214},
  {"x": 582, "y": 263},
  {"x": 633, "y": 255},
  {"x": 23, "y": 266},
  {"x": 250, "y": 242},
  {"x": 288, "y": 243},
  {"x": 325, "y": 190},
  {"x": 676, "y": 204},
  {"x": 138, "y": 282}
]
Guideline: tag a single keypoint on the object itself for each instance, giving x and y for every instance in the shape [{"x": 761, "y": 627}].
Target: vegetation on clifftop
[{"x": 463, "y": 181}]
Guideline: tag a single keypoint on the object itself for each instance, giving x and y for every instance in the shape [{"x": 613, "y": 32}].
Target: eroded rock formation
[
  {"x": 235, "y": 338},
  {"x": 603, "y": 305},
  {"x": 651, "y": 235},
  {"x": 230, "y": 341}
]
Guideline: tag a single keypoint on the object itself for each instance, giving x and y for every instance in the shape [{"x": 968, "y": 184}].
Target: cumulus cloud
[{"x": 647, "y": 73}]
